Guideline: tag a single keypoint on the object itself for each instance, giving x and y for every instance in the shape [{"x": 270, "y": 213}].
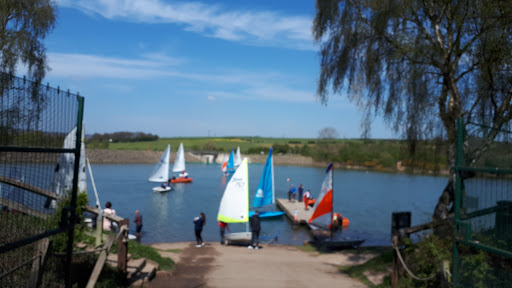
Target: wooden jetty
[{"x": 290, "y": 207}]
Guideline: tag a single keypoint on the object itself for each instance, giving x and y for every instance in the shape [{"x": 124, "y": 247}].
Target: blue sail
[
  {"x": 231, "y": 166},
  {"x": 265, "y": 193}
]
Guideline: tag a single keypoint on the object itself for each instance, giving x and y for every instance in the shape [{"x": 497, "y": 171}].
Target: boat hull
[
  {"x": 267, "y": 214},
  {"x": 181, "y": 180},
  {"x": 239, "y": 238},
  {"x": 160, "y": 189}
]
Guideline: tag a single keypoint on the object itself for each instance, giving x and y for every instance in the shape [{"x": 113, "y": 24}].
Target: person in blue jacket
[{"x": 199, "y": 223}]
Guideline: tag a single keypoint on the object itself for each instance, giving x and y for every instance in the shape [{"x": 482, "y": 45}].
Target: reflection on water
[
  {"x": 367, "y": 199},
  {"x": 160, "y": 206}
]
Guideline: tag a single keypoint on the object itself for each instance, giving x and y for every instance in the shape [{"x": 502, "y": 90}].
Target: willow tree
[
  {"x": 420, "y": 65},
  {"x": 23, "y": 26}
]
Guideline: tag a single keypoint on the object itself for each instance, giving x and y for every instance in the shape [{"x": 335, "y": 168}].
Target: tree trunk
[
  {"x": 445, "y": 206},
  {"x": 446, "y": 203}
]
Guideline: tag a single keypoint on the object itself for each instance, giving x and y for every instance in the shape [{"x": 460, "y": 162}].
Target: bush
[
  {"x": 60, "y": 240},
  {"x": 423, "y": 259},
  {"x": 209, "y": 146},
  {"x": 281, "y": 148},
  {"x": 258, "y": 150}
]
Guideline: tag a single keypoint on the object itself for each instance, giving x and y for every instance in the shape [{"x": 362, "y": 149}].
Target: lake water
[{"x": 366, "y": 199}]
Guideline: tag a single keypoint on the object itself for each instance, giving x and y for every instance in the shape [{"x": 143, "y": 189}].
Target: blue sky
[{"x": 184, "y": 69}]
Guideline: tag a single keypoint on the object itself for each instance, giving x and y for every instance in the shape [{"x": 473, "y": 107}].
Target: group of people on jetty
[
  {"x": 254, "y": 221},
  {"x": 305, "y": 197}
]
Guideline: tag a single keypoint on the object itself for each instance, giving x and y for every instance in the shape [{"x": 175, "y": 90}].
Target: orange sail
[{"x": 322, "y": 216}]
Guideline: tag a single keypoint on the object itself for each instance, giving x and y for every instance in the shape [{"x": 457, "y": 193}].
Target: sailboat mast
[
  {"x": 272, "y": 171},
  {"x": 93, "y": 184},
  {"x": 332, "y": 198}
]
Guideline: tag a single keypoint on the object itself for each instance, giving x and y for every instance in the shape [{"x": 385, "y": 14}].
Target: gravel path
[{"x": 215, "y": 265}]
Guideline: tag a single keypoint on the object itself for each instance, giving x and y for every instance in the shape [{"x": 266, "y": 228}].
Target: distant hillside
[{"x": 382, "y": 155}]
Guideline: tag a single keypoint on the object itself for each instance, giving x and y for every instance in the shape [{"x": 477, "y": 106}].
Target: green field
[{"x": 200, "y": 144}]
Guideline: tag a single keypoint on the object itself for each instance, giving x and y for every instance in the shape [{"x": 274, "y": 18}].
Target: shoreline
[{"x": 107, "y": 156}]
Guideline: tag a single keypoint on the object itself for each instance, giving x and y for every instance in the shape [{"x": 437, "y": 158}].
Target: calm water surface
[{"x": 367, "y": 199}]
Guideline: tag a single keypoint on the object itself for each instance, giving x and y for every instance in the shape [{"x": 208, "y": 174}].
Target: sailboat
[
  {"x": 265, "y": 194},
  {"x": 62, "y": 182},
  {"x": 230, "y": 166},
  {"x": 238, "y": 158},
  {"x": 161, "y": 172},
  {"x": 224, "y": 167},
  {"x": 323, "y": 218},
  {"x": 234, "y": 205},
  {"x": 179, "y": 166}
]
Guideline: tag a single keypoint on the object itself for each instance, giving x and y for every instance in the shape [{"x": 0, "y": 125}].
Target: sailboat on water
[
  {"x": 224, "y": 166},
  {"x": 230, "y": 165},
  {"x": 179, "y": 166},
  {"x": 161, "y": 172},
  {"x": 238, "y": 158},
  {"x": 265, "y": 194},
  {"x": 234, "y": 205},
  {"x": 324, "y": 221}
]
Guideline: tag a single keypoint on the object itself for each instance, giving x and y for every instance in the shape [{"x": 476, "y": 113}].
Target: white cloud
[
  {"x": 268, "y": 93},
  {"x": 151, "y": 65},
  {"x": 92, "y": 66},
  {"x": 249, "y": 85},
  {"x": 264, "y": 28}
]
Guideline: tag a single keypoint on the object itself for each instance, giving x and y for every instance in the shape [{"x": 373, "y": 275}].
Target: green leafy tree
[
  {"x": 328, "y": 133},
  {"x": 23, "y": 26},
  {"x": 421, "y": 65}
]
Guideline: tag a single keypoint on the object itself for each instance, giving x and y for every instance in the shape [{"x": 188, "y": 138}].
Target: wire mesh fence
[
  {"x": 38, "y": 147},
  {"x": 483, "y": 210}
]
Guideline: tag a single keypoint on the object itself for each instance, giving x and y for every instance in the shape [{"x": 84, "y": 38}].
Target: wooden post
[
  {"x": 396, "y": 264},
  {"x": 99, "y": 263},
  {"x": 38, "y": 264},
  {"x": 122, "y": 246},
  {"x": 99, "y": 229}
]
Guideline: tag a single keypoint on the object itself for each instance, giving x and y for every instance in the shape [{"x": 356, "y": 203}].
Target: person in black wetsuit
[{"x": 255, "y": 229}]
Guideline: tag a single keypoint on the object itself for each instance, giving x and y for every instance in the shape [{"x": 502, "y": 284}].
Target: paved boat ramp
[{"x": 290, "y": 207}]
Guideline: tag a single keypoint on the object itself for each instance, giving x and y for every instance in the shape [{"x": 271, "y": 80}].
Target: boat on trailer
[{"x": 234, "y": 205}]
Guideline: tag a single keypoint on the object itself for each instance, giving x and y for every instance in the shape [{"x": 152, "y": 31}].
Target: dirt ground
[
  {"x": 105, "y": 156},
  {"x": 215, "y": 265}
]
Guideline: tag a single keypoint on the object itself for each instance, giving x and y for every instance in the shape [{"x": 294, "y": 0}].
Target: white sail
[
  {"x": 161, "y": 171},
  {"x": 179, "y": 163},
  {"x": 238, "y": 157},
  {"x": 234, "y": 206},
  {"x": 82, "y": 173},
  {"x": 62, "y": 182}
]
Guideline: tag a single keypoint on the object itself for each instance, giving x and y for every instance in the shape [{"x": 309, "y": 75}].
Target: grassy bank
[
  {"x": 372, "y": 154},
  {"x": 374, "y": 273}
]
